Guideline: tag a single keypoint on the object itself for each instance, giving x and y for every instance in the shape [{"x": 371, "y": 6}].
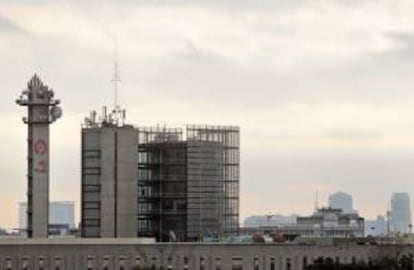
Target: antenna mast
[
  {"x": 116, "y": 77},
  {"x": 316, "y": 201},
  {"x": 117, "y": 116}
]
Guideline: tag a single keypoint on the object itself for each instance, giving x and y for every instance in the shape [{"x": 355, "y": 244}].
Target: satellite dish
[{"x": 56, "y": 112}]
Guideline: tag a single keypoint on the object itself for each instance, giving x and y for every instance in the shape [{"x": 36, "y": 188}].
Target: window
[
  {"x": 121, "y": 263},
  {"x": 218, "y": 263},
  {"x": 89, "y": 263},
  {"x": 137, "y": 262},
  {"x": 304, "y": 262},
  {"x": 288, "y": 264},
  {"x": 25, "y": 263},
  {"x": 185, "y": 263},
  {"x": 237, "y": 263},
  {"x": 272, "y": 264},
  {"x": 9, "y": 263},
  {"x": 105, "y": 263},
  {"x": 202, "y": 263},
  {"x": 256, "y": 263},
  {"x": 337, "y": 260},
  {"x": 153, "y": 262},
  {"x": 170, "y": 262},
  {"x": 41, "y": 263},
  {"x": 57, "y": 263},
  {"x": 353, "y": 260},
  {"x": 370, "y": 261}
]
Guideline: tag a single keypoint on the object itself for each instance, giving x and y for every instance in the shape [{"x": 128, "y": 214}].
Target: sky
[{"x": 323, "y": 90}]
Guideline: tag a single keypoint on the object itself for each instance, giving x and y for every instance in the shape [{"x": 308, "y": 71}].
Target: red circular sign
[{"x": 40, "y": 147}]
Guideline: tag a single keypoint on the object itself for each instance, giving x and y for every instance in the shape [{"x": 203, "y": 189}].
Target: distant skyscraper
[
  {"x": 400, "y": 218},
  {"x": 376, "y": 227},
  {"x": 61, "y": 215},
  {"x": 341, "y": 200}
]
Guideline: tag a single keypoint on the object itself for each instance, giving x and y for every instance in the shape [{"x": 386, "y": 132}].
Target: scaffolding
[
  {"x": 161, "y": 183},
  {"x": 226, "y": 181},
  {"x": 188, "y": 188}
]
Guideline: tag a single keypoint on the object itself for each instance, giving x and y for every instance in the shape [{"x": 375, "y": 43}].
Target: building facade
[
  {"x": 325, "y": 222},
  {"x": 122, "y": 254},
  {"x": 188, "y": 189},
  {"x": 400, "y": 214},
  {"x": 109, "y": 179},
  {"x": 153, "y": 182}
]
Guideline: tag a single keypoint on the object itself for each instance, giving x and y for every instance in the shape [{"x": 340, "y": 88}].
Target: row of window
[{"x": 91, "y": 263}]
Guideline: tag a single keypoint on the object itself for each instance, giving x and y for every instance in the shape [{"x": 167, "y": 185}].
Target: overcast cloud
[{"x": 323, "y": 90}]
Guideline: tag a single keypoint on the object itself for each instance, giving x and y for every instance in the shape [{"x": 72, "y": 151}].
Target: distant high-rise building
[
  {"x": 61, "y": 216},
  {"x": 400, "y": 214},
  {"x": 376, "y": 227},
  {"x": 341, "y": 200}
]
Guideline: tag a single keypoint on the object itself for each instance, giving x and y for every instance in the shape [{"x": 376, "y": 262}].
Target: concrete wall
[
  {"x": 109, "y": 182},
  {"x": 117, "y": 254}
]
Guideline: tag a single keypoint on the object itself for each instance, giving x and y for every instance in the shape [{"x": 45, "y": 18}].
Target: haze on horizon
[{"x": 323, "y": 90}]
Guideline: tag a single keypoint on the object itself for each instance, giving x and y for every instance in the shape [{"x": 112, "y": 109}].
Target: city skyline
[{"x": 322, "y": 91}]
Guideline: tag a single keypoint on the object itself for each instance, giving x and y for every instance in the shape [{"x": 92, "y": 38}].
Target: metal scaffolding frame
[{"x": 188, "y": 188}]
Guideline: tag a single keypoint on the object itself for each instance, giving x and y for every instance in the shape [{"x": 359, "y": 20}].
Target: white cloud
[{"x": 299, "y": 76}]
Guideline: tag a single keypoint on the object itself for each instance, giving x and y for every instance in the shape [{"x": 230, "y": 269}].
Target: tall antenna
[
  {"x": 116, "y": 77},
  {"x": 316, "y": 201},
  {"x": 117, "y": 117}
]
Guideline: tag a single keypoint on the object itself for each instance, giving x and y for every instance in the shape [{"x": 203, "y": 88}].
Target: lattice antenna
[
  {"x": 117, "y": 116},
  {"x": 116, "y": 79}
]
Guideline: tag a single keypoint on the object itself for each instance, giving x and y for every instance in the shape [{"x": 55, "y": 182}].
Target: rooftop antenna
[
  {"x": 116, "y": 77},
  {"x": 118, "y": 115},
  {"x": 316, "y": 201}
]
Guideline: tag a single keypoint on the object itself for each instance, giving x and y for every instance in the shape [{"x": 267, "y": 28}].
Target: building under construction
[
  {"x": 188, "y": 188},
  {"x": 154, "y": 182}
]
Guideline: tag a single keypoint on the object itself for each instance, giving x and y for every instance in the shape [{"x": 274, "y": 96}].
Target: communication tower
[{"x": 42, "y": 110}]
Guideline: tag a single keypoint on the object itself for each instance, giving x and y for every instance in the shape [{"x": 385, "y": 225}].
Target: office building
[
  {"x": 153, "y": 182},
  {"x": 341, "y": 200},
  {"x": 188, "y": 189},
  {"x": 61, "y": 217},
  {"x": 109, "y": 177},
  {"x": 400, "y": 214}
]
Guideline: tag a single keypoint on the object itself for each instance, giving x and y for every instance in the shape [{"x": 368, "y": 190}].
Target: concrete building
[
  {"x": 61, "y": 217},
  {"x": 151, "y": 182},
  {"x": 400, "y": 214},
  {"x": 269, "y": 221},
  {"x": 109, "y": 178},
  {"x": 325, "y": 222},
  {"x": 122, "y": 254},
  {"x": 188, "y": 189},
  {"x": 42, "y": 111},
  {"x": 341, "y": 200},
  {"x": 333, "y": 222}
]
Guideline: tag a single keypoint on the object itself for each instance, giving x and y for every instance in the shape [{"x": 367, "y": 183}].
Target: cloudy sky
[{"x": 323, "y": 90}]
